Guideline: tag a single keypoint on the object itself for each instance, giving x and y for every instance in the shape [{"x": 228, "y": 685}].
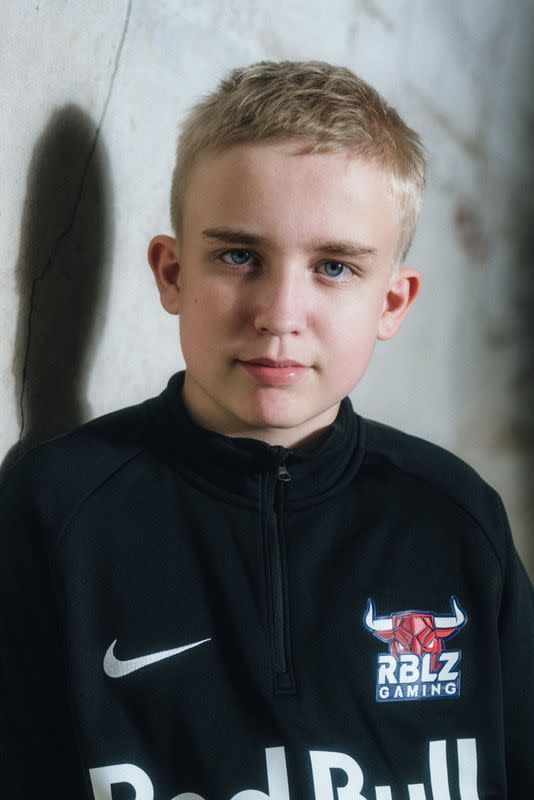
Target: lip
[
  {"x": 270, "y": 375},
  {"x": 270, "y": 362}
]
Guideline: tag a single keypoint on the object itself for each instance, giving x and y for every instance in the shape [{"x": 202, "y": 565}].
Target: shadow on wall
[
  {"x": 62, "y": 277},
  {"x": 523, "y": 386}
]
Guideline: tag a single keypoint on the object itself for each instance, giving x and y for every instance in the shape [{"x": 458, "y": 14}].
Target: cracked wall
[{"x": 94, "y": 97}]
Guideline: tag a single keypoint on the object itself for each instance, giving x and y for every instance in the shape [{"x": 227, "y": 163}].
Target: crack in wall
[
  {"x": 469, "y": 144},
  {"x": 63, "y": 235},
  {"x": 373, "y": 10}
]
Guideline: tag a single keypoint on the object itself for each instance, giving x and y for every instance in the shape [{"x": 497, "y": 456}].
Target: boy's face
[{"x": 277, "y": 284}]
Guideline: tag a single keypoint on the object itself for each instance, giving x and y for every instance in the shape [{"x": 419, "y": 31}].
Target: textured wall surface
[{"x": 91, "y": 98}]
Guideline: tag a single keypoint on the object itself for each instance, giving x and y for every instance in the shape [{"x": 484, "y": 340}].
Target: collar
[{"x": 240, "y": 469}]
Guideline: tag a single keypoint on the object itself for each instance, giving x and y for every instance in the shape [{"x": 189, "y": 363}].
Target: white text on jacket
[{"x": 322, "y": 763}]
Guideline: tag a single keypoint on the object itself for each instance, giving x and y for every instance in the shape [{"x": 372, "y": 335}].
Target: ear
[
  {"x": 163, "y": 260},
  {"x": 404, "y": 286}
]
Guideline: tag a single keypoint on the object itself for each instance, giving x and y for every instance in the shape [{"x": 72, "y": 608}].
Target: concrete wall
[{"x": 91, "y": 97}]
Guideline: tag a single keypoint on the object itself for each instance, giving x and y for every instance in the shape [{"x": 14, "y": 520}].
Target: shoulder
[
  {"x": 423, "y": 459},
  {"x": 95, "y": 447},
  {"x": 55, "y": 476},
  {"x": 435, "y": 472}
]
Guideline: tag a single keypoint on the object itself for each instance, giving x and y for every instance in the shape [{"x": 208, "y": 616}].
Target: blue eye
[
  {"x": 239, "y": 257},
  {"x": 339, "y": 266}
]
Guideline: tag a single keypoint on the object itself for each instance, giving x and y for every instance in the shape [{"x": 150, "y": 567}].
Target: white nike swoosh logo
[{"x": 117, "y": 669}]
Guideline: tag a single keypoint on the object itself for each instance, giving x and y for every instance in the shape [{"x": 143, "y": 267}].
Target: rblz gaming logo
[{"x": 417, "y": 667}]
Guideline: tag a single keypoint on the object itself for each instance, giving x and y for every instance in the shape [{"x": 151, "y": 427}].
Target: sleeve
[
  {"x": 517, "y": 665},
  {"x": 38, "y": 750}
]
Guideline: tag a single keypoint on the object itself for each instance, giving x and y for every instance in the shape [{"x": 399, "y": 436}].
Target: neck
[{"x": 301, "y": 438}]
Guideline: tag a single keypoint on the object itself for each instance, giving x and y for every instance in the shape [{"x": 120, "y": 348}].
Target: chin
[{"x": 275, "y": 415}]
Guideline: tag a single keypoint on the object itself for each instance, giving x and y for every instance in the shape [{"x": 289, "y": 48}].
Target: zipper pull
[{"x": 283, "y": 474}]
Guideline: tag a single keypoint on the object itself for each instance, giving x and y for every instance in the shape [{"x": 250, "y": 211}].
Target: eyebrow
[{"x": 235, "y": 236}]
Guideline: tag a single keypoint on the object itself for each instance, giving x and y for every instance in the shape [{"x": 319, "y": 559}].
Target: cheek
[
  {"x": 205, "y": 319},
  {"x": 352, "y": 337},
  {"x": 350, "y": 363},
  {"x": 352, "y": 328},
  {"x": 210, "y": 299},
  {"x": 354, "y": 352}
]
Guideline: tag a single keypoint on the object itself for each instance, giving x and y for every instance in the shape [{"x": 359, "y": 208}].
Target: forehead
[{"x": 282, "y": 191}]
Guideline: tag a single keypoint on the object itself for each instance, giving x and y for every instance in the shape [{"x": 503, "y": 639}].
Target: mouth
[
  {"x": 269, "y": 362},
  {"x": 268, "y": 372}
]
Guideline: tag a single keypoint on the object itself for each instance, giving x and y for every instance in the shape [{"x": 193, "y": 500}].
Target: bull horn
[
  {"x": 377, "y": 623},
  {"x": 451, "y": 622}
]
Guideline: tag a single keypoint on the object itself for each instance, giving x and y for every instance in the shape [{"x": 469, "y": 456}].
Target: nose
[{"x": 280, "y": 303}]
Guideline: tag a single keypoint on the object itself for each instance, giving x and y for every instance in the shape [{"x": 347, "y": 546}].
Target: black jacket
[{"x": 188, "y": 615}]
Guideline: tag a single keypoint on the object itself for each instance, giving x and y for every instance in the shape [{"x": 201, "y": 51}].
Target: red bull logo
[{"x": 417, "y": 667}]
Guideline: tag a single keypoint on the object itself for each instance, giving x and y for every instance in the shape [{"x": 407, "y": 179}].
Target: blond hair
[{"x": 325, "y": 105}]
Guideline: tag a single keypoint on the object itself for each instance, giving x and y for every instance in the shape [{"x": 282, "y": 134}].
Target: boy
[{"x": 241, "y": 588}]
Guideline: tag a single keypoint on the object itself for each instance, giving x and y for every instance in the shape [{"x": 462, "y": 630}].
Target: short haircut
[{"x": 328, "y": 107}]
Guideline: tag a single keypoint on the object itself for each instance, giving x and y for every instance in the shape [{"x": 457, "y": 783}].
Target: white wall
[{"x": 91, "y": 94}]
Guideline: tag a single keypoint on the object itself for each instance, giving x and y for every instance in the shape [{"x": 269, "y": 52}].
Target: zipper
[{"x": 283, "y": 676}]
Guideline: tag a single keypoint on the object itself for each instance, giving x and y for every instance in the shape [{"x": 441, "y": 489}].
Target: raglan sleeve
[
  {"x": 39, "y": 756},
  {"x": 516, "y": 626}
]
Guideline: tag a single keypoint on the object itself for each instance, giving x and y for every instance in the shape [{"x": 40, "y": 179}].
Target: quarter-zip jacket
[{"x": 188, "y": 615}]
